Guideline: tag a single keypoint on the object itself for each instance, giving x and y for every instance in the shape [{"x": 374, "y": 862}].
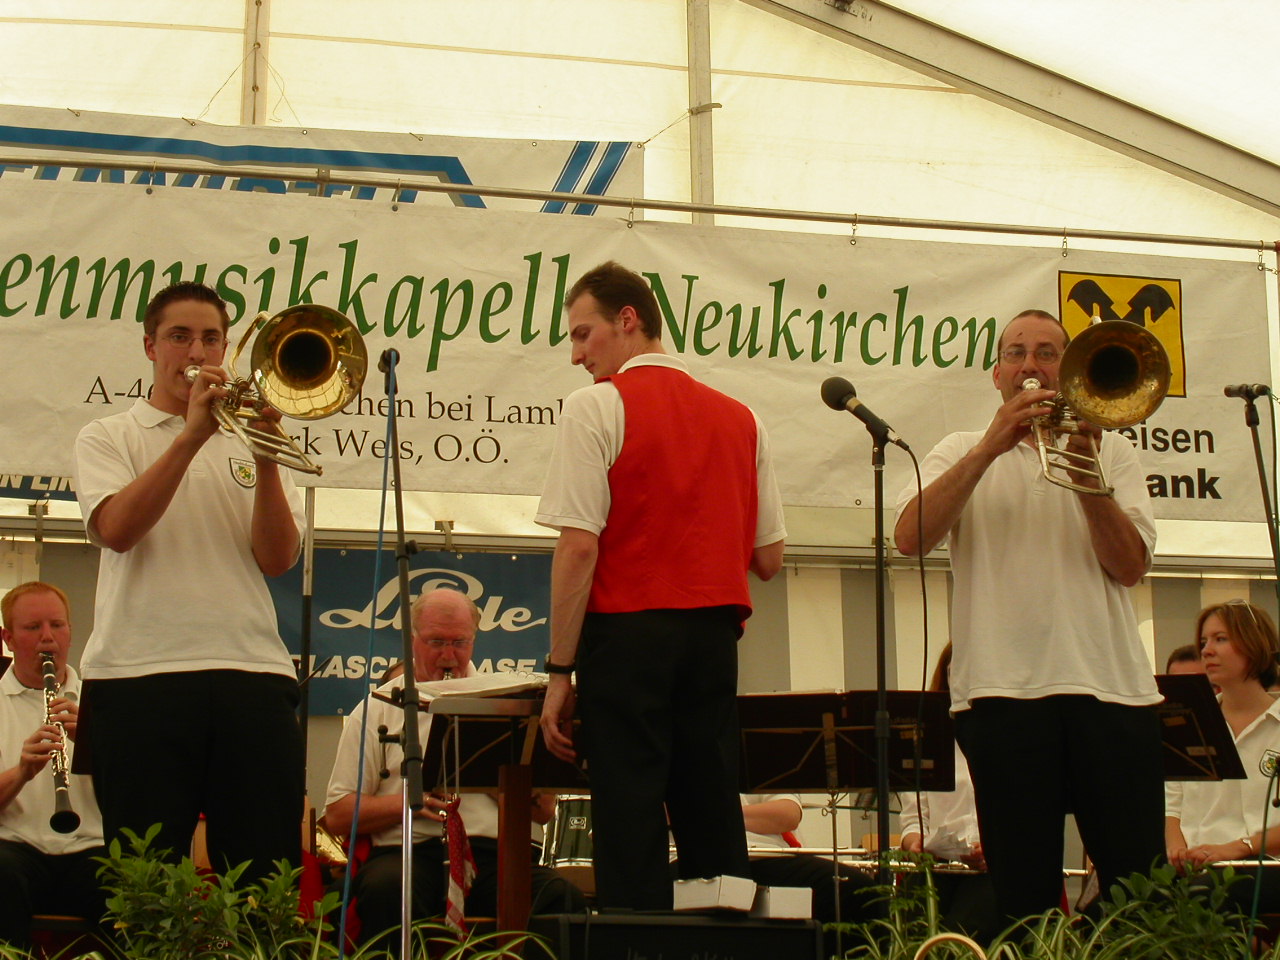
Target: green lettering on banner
[
  {"x": 916, "y": 324},
  {"x": 350, "y": 303},
  {"x": 708, "y": 319},
  {"x": 781, "y": 328},
  {"x": 558, "y": 333},
  {"x": 51, "y": 272},
  {"x": 412, "y": 309},
  {"x": 298, "y": 293},
  {"x": 440, "y": 334},
  {"x": 488, "y": 310},
  {"x": 677, "y": 328},
  {"x": 235, "y": 299},
  {"x": 864, "y": 343},
  {"x": 527, "y": 333},
  {"x": 976, "y": 332},
  {"x": 946, "y": 331},
  {"x": 146, "y": 270},
  {"x": 750, "y": 341},
  {"x": 7, "y": 283},
  {"x": 815, "y": 320},
  {"x": 842, "y": 326}
]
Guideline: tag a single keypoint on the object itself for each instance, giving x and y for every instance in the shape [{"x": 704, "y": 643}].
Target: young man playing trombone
[
  {"x": 43, "y": 869},
  {"x": 189, "y": 691},
  {"x": 1052, "y": 692}
]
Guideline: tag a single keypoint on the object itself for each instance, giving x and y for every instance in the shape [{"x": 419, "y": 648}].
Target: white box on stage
[
  {"x": 715, "y": 893},
  {"x": 783, "y": 903}
]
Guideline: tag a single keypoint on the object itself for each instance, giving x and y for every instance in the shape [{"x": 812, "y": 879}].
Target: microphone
[
  {"x": 1246, "y": 391},
  {"x": 838, "y": 394}
]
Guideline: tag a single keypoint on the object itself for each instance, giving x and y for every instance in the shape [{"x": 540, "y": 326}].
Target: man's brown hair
[
  {"x": 615, "y": 287},
  {"x": 176, "y": 293}
]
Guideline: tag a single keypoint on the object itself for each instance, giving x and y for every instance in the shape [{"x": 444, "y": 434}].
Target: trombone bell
[
  {"x": 1114, "y": 374},
  {"x": 308, "y": 362}
]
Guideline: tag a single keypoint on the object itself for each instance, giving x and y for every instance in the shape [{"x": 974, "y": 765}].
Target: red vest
[{"x": 682, "y": 515}]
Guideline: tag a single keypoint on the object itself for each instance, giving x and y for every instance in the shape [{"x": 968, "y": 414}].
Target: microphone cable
[
  {"x": 1262, "y": 848},
  {"x": 373, "y": 626},
  {"x": 924, "y": 653}
]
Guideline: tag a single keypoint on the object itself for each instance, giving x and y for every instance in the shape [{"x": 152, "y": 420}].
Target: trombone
[
  {"x": 308, "y": 361},
  {"x": 1114, "y": 374}
]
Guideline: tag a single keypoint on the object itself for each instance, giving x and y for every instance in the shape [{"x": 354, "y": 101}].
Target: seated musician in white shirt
[
  {"x": 444, "y": 628},
  {"x": 1208, "y": 822},
  {"x": 767, "y": 818}
]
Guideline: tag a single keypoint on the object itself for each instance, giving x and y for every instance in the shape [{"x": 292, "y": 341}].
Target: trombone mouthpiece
[
  {"x": 1031, "y": 383},
  {"x": 191, "y": 373}
]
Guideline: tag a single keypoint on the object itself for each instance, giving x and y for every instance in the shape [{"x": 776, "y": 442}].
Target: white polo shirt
[
  {"x": 479, "y": 810},
  {"x": 189, "y": 595},
  {"x": 1033, "y": 612},
  {"x": 26, "y": 818},
  {"x": 1226, "y": 810}
]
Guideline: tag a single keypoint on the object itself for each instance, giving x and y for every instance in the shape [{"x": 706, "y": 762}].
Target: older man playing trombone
[{"x": 1052, "y": 692}]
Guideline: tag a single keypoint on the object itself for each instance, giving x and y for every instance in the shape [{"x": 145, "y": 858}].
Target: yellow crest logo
[
  {"x": 1153, "y": 302},
  {"x": 244, "y": 472}
]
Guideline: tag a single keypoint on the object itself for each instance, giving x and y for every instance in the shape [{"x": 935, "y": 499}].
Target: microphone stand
[
  {"x": 880, "y": 437},
  {"x": 410, "y": 744},
  {"x": 1251, "y": 421}
]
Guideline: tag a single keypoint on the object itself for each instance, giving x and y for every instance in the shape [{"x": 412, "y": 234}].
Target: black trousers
[
  {"x": 32, "y": 882},
  {"x": 226, "y": 743},
  {"x": 377, "y": 885},
  {"x": 657, "y": 695},
  {"x": 1034, "y": 761}
]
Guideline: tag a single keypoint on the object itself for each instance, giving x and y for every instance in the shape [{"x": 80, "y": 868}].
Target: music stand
[
  {"x": 825, "y": 742},
  {"x": 828, "y": 743},
  {"x": 1197, "y": 741},
  {"x": 488, "y": 743}
]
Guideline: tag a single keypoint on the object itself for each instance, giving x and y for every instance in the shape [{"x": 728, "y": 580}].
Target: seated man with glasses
[
  {"x": 189, "y": 693},
  {"x": 1051, "y": 687},
  {"x": 444, "y": 629}
]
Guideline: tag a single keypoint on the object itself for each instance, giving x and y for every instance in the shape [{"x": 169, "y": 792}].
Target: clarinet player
[{"x": 42, "y": 870}]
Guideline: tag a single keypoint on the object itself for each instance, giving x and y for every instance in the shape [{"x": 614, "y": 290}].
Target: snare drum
[{"x": 569, "y": 834}]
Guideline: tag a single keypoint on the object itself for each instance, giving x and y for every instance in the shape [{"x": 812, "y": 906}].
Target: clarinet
[{"x": 63, "y": 819}]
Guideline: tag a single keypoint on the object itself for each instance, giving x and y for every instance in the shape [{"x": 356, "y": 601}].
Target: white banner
[
  {"x": 472, "y": 301},
  {"x": 47, "y": 136}
]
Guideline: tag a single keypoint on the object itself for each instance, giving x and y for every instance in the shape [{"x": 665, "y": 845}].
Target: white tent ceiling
[
  {"x": 802, "y": 119},
  {"x": 805, "y": 121}
]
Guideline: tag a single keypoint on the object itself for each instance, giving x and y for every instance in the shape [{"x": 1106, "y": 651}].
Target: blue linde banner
[
  {"x": 20, "y": 486},
  {"x": 512, "y": 591}
]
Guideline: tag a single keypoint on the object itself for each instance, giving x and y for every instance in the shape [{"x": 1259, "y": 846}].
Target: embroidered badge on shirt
[
  {"x": 244, "y": 472},
  {"x": 1267, "y": 765}
]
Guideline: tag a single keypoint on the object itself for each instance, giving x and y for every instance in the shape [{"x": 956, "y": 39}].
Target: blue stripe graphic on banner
[
  {"x": 606, "y": 170},
  {"x": 449, "y": 169},
  {"x": 574, "y": 166}
]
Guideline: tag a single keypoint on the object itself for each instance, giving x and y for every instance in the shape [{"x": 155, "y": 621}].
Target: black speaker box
[{"x": 642, "y": 936}]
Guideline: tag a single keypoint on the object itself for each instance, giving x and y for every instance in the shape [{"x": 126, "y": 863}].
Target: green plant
[{"x": 160, "y": 910}]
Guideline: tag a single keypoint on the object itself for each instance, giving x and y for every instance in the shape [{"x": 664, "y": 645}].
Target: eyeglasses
[
  {"x": 1045, "y": 355},
  {"x": 441, "y": 644},
  {"x": 180, "y": 339},
  {"x": 1239, "y": 602}
]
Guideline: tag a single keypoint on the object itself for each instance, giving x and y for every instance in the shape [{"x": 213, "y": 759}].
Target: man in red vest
[{"x": 663, "y": 492}]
